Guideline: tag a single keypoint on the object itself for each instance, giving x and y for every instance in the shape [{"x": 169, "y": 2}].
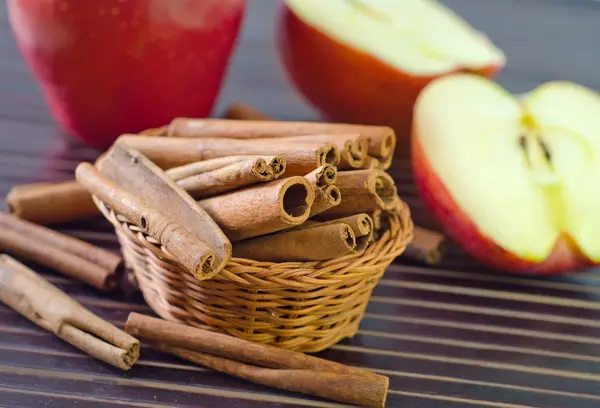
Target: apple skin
[
  {"x": 109, "y": 67},
  {"x": 564, "y": 258},
  {"x": 348, "y": 85}
]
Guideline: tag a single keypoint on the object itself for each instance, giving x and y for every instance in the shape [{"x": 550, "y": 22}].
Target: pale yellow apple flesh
[
  {"x": 526, "y": 171},
  {"x": 419, "y": 37}
]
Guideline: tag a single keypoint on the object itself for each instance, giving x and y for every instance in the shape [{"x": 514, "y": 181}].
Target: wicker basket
[{"x": 299, "y": 306}]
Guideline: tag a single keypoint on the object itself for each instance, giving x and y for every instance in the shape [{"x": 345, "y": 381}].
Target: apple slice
[
  {"x": 367, "y": 60},
  {"x": 515, "y": 181}
]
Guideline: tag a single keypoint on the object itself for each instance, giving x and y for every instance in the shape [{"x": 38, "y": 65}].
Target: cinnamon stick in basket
[
  {"x": 276, "y": 163},
  {"x": 137, "y": 175},
  {"x": 193, "y": 254},
  {"x": 231, "y": 177},
  {"x": 261, "y": 209},
  {"x": 48, "y": 203},
  {"x": 327, "y": 195},
  {"x": 312, "y": 244},
  {"x": 173, "y": 152},
  {"x": 382, "y": 139},
  {"x": 45, "y": 305},
  {"x": 261, "y": 363},
  {"x": 361, "y": 225},
  {"x": 364, "y": 191},
  {"x": 70, "y": 256}
]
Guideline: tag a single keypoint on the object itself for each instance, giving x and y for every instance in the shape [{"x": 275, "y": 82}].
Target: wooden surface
[{"x": 453, "y": 337}]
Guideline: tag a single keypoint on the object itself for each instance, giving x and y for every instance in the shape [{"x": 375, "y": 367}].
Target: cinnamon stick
[
  {"x": 261, "y": 209},
  {"x": 366, "y": 388},
  {"x": 159, "y": 131},
  {"x": 243, "y": 111},
  {"x": 173, "y": 152},
  {"x": 426, "y": 246},
  {"x": 361, "y": 225},
  {"x": 136, "y": 174},
  {"x": 228, "y": 178},
  {"x": 364, "y": 191},
  {"x": 326, "y": 194},
  {"x": 48, "y": 203},
  {"x": 354, "y": 389},
  {"x": 47, "y": 306},
  {"x": 352, "y": 147},
  {"x": 192, "y": 253},
  {"x": 70, "y": 256},
  {"x": 177, "y": 173},
  {"x": 382, "y": 139},
  {"x": 312, "y": 244}
]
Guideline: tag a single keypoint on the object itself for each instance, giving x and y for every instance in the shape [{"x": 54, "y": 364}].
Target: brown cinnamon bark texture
[
  {"x": 382, "y": 139},
  {"x": 137, "y": 175},
  {"x": 244, "y": 111},
  {"x": 35, "y": 298},
  {"x": 228, "y": 178},
  {"x": 191, "y": 252},
  {"x": 368, "y": 389},
  {"x": 261, "y": 209},
  {"x": 48, "y": 203},
  {"x": 364, "y": 191},
  {"x": 326, "y": 194},
  {"x": 312, "y": 244},
  {"x": 426, "y": 246},
  {"x": 361, "y": 225},
  {"x": 177, "y": 173},
  {"x": 354, "y": 389},
  {"x": 352, "y": 147},
  {"x": 64, "y": 254},
  {"x": 173, "y": 152}
]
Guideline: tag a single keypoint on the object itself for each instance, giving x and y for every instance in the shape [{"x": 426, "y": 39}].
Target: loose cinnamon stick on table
[
  {"x": 327, "y": 195},
  {"x": 382, "y": 139},
  {"x": 243, "y": 111},
  {"x": 289, "y": 370},
  {"x": 193, "y": 254},
  {"x": 47, "y": 203},
  {"x": 229, "y": 178},
  {"x": 312, "y": 244},
  {"x": 62, "y": 253},
  {"x": 45, "y": 305},
  {"x": 364, "y": 191},
  {"x": 173, "y": 152},
  {"x": 261, "y": 209},
  {"x": 277, "y": 164},
  {"x": 426, "y": 246},
  {"x": 137, "y": 175}
]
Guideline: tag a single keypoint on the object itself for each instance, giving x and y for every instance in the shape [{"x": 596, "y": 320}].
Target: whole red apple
[
  {"x": 514, "y": 180},
  {"x": 109, "y": 67},
  {"x": 361, "y": 61}
]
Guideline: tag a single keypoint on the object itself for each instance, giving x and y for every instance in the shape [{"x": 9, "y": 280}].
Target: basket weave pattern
[{"x": 302, "y": 306}]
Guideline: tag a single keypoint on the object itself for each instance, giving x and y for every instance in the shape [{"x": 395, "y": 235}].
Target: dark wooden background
[{"x": 453, "y": 337}]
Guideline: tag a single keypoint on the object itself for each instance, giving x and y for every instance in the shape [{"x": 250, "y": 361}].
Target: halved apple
[
  {"x": 365, "y": 61},
  {"x": 515, "y": 181}
]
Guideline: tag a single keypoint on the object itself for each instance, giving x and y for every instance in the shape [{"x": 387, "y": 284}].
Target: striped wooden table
[{"x": 457, "y": 336}]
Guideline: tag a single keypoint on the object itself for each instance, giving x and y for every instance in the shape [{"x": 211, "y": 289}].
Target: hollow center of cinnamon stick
[
  {"x": 207, "y": 265},
  {"x": 334, "y": 193},
  {"x": 294, "y": 200}
]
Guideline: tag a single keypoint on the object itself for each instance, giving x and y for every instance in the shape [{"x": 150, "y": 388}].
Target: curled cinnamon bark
[
  {"x": 173, "y": 152},
  {"x": 382, "y": 139},
  {"x": 261, "y": 209},
  {"x": 312, "y": 244},
  {"x": 48, "y": 203},
  {"x": 426, "y": 246},
  {"x": 229, "y": 178},
  {"x": 364, "y": 191},
  {"x": 261, "y": 363},
  {"x": 191, "y": 252},
  {"x": 177, "y": 173},
  {"x": 67, "y": 255},
  {"x": 327, "y": 195},
  {"x": 243, "y": 111},
  {"x": 35, "y": 298}
]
